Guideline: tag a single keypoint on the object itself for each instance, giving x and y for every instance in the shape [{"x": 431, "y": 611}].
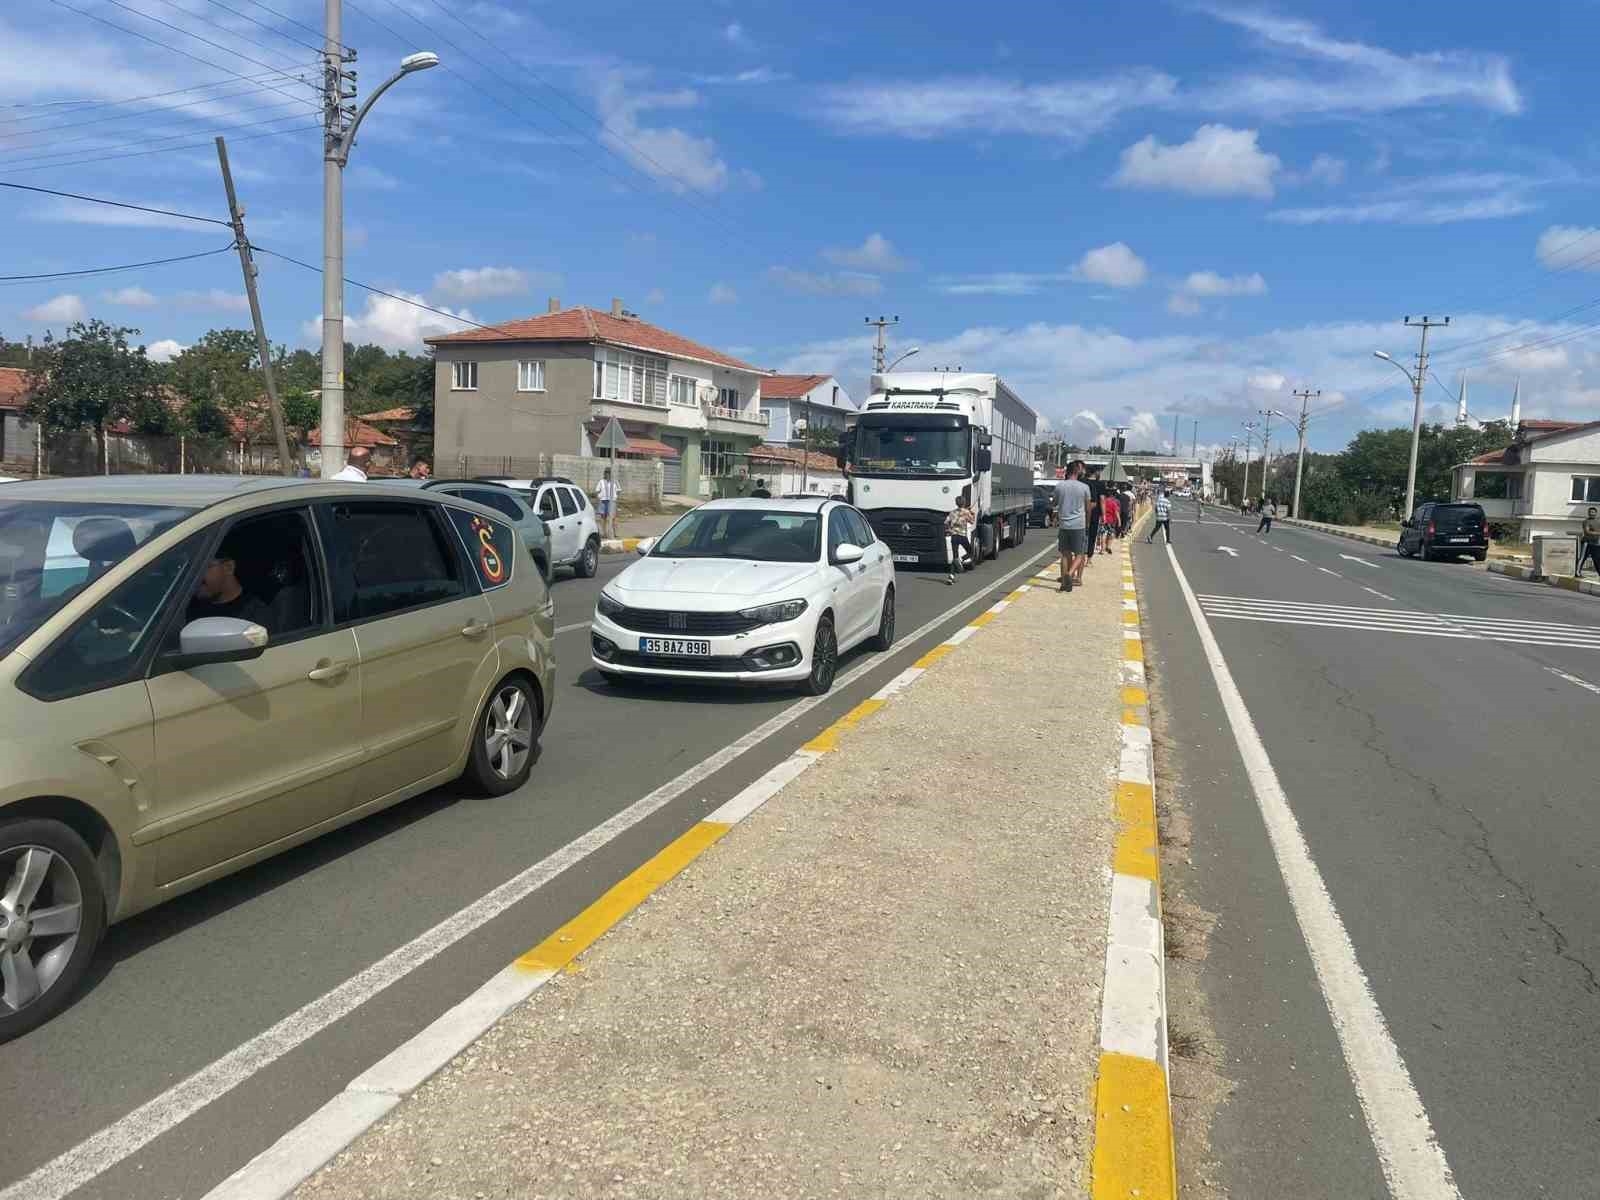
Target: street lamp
[
  {"x": 902, "y": 358},
  {"x": 1266, "y": 446},
  {"x": 337, "y": 142},
  {"x": 1249, "y": 438},
  {"x": 1416, "y": 429}
]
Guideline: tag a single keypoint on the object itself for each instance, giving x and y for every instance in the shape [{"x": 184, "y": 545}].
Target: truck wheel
[{"x": 986, "y": 542}]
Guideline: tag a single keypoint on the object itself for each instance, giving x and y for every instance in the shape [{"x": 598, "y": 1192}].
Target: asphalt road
[
  {"x": 1439, "y": 755},
  {"x": 183, "y": 985}
]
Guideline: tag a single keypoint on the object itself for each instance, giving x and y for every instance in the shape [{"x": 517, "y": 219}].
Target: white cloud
[
  {"x": 929, "y": 108},
  {"x": 1217, "y": 161},
  {"x": 392, "y": 324},
  {"x": 1182, "y": 305},
  {"x": 1324, "y": 169},
  {"x": 1114, "y": 265},
  {"x": 82, "y": 212},
  {"x": 1209, "y": 283},
  {"x": 734, "y": 34},
  {"x": 1332, "y": 76},
  {"x": 130, "y": 297},
  {"x": 364, "y": 175},
  {"x": 213, "y": 298},
  {"x": 1001, "y": 283},
  {"x": 1569, "y": 247},
  {"x": 64, "y": 309},
  {"x": 482, "y": 283},
  {"x": 721, "y": 293},
  {"x": 680, "y": 161},
  {"x": 874, "y": 254},
  {"x": 165, "y": 350},
  {"x": 1409, "y": 211},
  {"x": 811, "y": 283},
  {"x": 753, "y": 75}
]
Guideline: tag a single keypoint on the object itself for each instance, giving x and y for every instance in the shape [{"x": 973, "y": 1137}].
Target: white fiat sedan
[{"x": 749, "y": 591}]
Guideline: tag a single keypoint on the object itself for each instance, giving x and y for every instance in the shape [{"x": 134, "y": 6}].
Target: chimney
[
  {"x": 1516, "y": 407},
  {"x": 616, "y": 307},
  {"x": 554, "y": 305}
]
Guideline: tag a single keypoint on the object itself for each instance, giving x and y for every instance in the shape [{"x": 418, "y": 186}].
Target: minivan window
[
  {"x": 568, "y": 507},
  {"x": 50, "y": 550},
  {"x": 383, "y": 558},
  {"x": 547, "y": 504},
  {"x": 498, "y": 501},
  {"x": 490, "y": 544}
]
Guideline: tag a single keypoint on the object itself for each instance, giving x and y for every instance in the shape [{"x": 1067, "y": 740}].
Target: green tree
[
  {"x": 297, "y": 369},
  {"x": 301, "y": 410},
  {"x": 15, "y": 354},
  {"x": 217, "y": 379},
  {"x": 94, "y": 378}
]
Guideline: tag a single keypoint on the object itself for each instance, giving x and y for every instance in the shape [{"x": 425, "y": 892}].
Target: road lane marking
[
  {"x": 1364, "y": 562},
  {"x": 1229, "y": 551},
  {"x": 1573, "y": 679},
  {"x": 1326, "y": 571},
  {"x": 1298, "y": 559},
  {"x": 1409, "y": 1153},
  {"x": 136, "y": 1129},
  {"x": 1379, "y": 594}
]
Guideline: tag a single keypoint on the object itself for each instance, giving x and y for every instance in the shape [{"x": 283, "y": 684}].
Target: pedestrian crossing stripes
[{"x": 1393, "y": 620}]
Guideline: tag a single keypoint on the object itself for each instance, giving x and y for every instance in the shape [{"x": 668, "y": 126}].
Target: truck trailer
[{"x": 924, "y": 437}]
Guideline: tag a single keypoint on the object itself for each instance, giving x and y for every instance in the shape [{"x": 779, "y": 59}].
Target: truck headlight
[{"x": 771, "y": 614}]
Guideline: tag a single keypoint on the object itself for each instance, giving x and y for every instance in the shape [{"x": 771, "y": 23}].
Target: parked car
[
  {"x": 749, "y": 591},
  {"x": 512, "y": 503},
  {"x": 566, "y": 511},
  {"x": 1438, "y": 530},
  {"x": 1044, "y": 512},
  {"x": 199, "y": 671}
]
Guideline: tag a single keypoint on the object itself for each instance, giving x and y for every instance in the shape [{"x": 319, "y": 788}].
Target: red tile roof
[
  {"x": 794, "y": 456},
  {"x": 591, "y": 325},
  {"x": 1495, "y": 458},
  {"x": 391, "y": 414},
  {"x": 1543, "y": 426},
  {"x": 13, "y": 387},
  {"x": 358, "y": 433},
  {"x": 790, "y": 387},
  {"x": 650, "y": 447}
]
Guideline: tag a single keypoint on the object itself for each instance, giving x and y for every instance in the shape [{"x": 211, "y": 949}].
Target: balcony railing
[
  {"x": 654, "y": 405},
  {"x": 716, "y": 412}
]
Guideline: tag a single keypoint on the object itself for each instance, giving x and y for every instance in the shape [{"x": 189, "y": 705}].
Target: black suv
[
  {"x": 1438, "y": 530},
  {"x": 1043, "y": 514}
]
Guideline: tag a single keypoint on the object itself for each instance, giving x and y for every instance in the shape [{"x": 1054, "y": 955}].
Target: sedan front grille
[
  {"x": 706, "y": 624},
  {"x": 707, "y": 664}
]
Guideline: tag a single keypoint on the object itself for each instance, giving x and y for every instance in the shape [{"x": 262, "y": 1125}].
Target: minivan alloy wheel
[
  {"x": 508, "y": 731},
  {"x": 41, "y": 916}
]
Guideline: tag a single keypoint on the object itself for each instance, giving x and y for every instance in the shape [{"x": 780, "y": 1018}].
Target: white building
[
  {"x": 1551, "y": 475},
  {"x": 791, "y": 400}
]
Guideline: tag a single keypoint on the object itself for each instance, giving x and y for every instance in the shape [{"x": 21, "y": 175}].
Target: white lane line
[
  {"x": 1335, "y": 574},
  {"x": 1298, "y": 559},
  {"x": 129, "y": 1134},
  {"x": 1573, "y": 679},
  {"x": 1409, "y": 1153},
  {"x": 1363, "y": 561},
  {"x": 1379, "y": 594},
  {"x": 1370, "y": 626}
]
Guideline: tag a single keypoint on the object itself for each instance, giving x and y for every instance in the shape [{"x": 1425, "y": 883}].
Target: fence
[
  {"x": 637, "y": 479},
  {"x": 79, "y": 453}
]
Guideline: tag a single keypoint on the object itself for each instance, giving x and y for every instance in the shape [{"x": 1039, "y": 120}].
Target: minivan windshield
[
  {"x": 50, "y": 550},
  {"x": 743, "y": 533}
]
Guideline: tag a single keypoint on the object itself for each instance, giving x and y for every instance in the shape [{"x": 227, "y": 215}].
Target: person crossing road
[
  {"x": 1269, "y": 509},
  {"x": 1163, "y": 518}
]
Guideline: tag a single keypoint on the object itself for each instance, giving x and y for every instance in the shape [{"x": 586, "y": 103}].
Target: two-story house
[
  {"x": 550, "y": 384},
  {"x": 1543, "y": 483},
  {"x": 796, "y": 402}
]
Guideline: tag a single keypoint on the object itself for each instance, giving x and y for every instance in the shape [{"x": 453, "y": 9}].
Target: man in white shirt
[
  {"x": 355, "y": 465},
  {"x": 605, "y": 497}
]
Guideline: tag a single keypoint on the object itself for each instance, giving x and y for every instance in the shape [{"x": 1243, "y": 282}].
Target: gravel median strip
[{"x": 885, "y": 981}]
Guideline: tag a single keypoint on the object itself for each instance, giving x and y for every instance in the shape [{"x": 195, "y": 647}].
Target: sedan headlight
[
  {"x": 771, "y": 614},
  {"x": 609, "y": 606}
]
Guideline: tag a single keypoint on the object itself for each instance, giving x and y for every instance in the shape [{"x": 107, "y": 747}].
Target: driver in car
[{"x": 219, "y": 593}]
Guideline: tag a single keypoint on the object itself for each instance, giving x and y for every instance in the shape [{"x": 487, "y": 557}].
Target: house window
[
  {"x": 464, "y": 377},
  {"x": 717, "y": 459},
  {"x": 728, "y": 398},
  {"x": 681, "y": 390},
  {"x": 633, "y": 378},
  {"x": 1513, "y": 486},
  {"x": 530, "y": 376},
  {"x": 1586, "y": 487}
]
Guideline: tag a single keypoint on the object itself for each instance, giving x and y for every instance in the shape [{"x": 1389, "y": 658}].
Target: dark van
[{"x": 1438, "y": 530}]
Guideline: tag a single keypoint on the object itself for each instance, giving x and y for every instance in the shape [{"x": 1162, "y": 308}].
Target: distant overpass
[{"x": 1159, "y": 462}]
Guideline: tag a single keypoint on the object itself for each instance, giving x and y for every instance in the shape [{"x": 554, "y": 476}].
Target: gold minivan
[{"x": 197, "y": 672}]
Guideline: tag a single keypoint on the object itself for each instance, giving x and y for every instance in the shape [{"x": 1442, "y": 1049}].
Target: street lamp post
[
  {"x": 1416, "y": 428},
  {"x": 1249, "y": 438},
  {"x": 338, "y": 138},
  {"x": 1266, "y": 447},
  {"x": 902, "y": 358}
]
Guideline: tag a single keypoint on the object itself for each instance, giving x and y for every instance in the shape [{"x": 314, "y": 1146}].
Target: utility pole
[
  {"x": 880, "y": 351},
  {"x": 338, "y": 87},
  {"x": 1249, "y": 436},
  {"x": 1194, "y": 446},
  {"x": 1425, "y": 324},
  {"x": 1176, "y": 417},
  {"x": 263, "y": 346}
]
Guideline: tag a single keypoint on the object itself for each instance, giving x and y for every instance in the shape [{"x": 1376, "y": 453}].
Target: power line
[
  {"x": 315, "y": 32},
  {"x": 165, "y": 212},
  {"x": 79, "y": 106},
  {"x": 223, "y": 29},
  {"x": 133, "y": 116},
  {"x": 101, "y": 158},
  {"x": 154, "y": 262},
  {"x": 264, "y": 25},
  {"x": 188, "y": 34},
  {"x": 187, "y": 132},
  {"x": 9, "y": 164}
]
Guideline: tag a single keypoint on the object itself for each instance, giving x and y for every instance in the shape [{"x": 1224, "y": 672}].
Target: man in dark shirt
[
  {"x": 219, "y": 593},
  {"x": 1096, "y": 491}
]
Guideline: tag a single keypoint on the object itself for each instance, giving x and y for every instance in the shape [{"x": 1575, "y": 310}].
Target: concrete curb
[
  {"x": 1134, "y": 1145},
  {"x": 619, "y": 545},
  {"x": 1567, "y": 583},
  {"x": 1337, "y": 532},
  {"x": 276, "y": 1172}
]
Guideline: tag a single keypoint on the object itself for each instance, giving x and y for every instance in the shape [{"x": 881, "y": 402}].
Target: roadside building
[
  {"x": 550, "y": 384},
  {"x": 17, "y": 430},
  {"x": 1542, "y": 483},
  {"x": 386, "y": 454},
  {"x": 789, "y": 470},
  {"x": 401, "y": 425},
  {"x": 794, "y": 404}
]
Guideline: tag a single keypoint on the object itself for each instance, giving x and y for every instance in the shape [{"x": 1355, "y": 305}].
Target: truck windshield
[{"x": 904, "y": 451}]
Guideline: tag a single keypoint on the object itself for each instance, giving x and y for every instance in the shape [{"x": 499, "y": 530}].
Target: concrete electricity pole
[
  {"x": 1416, "y": 379},
  {"x": 340, "y": 120},
  {"x": 1266, "y": 446},
  {"x": 263, "y": 346},
  {"x": 881, "y": 349},
  {"x": 1305, "y": 398},
  {"x": 1249, "y": 437}
]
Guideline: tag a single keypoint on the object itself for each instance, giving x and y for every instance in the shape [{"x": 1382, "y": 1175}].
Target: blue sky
[{"x": 1130, "y": 211}]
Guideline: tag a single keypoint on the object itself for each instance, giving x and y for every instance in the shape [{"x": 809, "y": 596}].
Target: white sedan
[{"x": 749, "y": 591}]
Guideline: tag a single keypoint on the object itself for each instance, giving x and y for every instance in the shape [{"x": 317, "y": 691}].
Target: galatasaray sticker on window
[{"x": 491, "y": 545}]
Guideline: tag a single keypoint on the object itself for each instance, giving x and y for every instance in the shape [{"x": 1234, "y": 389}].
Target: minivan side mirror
[{"x": 219, "y": 640}]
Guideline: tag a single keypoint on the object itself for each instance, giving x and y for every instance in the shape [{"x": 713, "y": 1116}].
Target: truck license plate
[
  {"x": 676, "y": 646},
  {"x": 910, "y": 558}
]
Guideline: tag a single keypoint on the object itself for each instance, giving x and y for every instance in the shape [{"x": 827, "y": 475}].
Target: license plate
[
  {"x": 676, "y": 646},
  {"x": 1465, "y": 539},
  {"x": 910, "y": 558}
]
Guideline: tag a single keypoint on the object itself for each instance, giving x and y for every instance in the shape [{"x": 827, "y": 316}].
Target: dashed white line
[
  {"x": 1298, "y": 559},
  {"x": 1379, "y": 594},
  {"x": 1326, "y": 571},
  {"x": 1575, "y": 681}
]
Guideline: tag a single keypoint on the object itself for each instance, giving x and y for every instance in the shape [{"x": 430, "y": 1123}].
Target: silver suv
[
  {"x": 569, "y": 518},
  {"x": 197, "y": 672}
]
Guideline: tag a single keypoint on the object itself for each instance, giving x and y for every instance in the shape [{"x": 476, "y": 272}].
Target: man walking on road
[
  {"x": 1269, "y": 509},
  {"x": 1589, "y": 543},
  {"x": 606, "y": 502},
  {"x": 1072, "y": 534},
  {"x": 1163, "y": 518}
]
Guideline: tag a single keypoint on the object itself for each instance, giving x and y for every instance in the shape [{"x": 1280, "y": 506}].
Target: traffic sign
[{"x": 613, "y": 439}]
